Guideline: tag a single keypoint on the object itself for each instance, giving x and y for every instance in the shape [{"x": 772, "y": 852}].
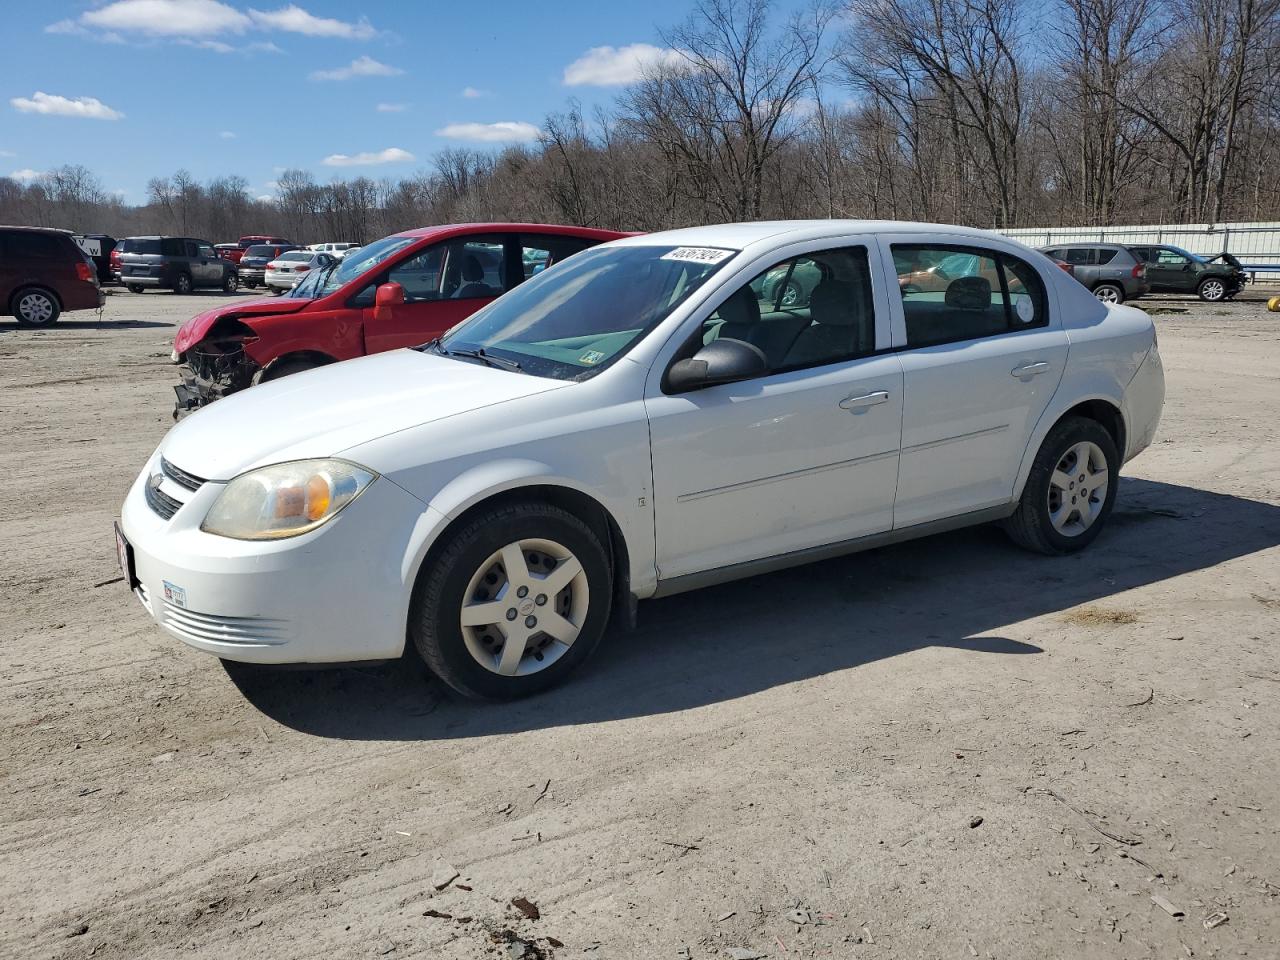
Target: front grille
[
  {"x": 254, "y": 631},
  {"x": 181, "y": 477},
  {"x": 161, "y": 502}
]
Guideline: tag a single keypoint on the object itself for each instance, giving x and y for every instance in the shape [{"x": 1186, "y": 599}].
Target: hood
[
  {"x": 321, "y": 412},
  {"x": 194, "y": 330}
]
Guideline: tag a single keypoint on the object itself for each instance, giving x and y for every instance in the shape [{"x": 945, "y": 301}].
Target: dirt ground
[{"x": 946, "y": 749}]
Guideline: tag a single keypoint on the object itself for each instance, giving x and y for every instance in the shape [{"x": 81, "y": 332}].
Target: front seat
[
  {"x": 840, "y": 326},
  {"x": 473, "y": 284}
]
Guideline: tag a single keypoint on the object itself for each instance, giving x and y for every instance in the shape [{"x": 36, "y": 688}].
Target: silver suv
[{"x": 1110, "y": 270}]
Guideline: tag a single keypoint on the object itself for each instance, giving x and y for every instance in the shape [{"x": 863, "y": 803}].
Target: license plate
[{"x": 124, "y": 556}]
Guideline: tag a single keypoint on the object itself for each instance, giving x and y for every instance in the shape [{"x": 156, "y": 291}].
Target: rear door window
[
  {"x": 29, "y": 245},
  {"x": 1080, "y": 256},
  {"x": 173, "y": 247},
  {"x": 961, "y": 293},
  {"x": 475, "y": 268}
]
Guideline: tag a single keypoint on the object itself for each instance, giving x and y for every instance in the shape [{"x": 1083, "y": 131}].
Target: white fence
[{"x": 1256, "y": 245}]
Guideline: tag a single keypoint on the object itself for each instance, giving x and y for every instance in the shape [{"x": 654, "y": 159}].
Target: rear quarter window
[
  {"x": 172, "y": 247},
  {"x": 1106, "y": 256}
]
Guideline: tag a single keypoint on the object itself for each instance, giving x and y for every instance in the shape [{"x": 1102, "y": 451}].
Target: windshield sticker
[
  {"x": 591, "y": 357},
  {"x": 698, "y": 254},
  {"x": 1026, "y": 310}
]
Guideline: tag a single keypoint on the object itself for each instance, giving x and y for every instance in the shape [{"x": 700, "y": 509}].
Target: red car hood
[{"x": 194, "y": 330}]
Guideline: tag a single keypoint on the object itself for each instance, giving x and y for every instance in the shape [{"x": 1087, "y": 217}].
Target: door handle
[
  {"x": 1030, "y": 369},
  {"x": 866, "y": 400}
]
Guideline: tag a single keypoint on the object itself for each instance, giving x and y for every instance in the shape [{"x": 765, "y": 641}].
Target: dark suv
[
  {"x": 180, "y": 264},
  {"x": 1112, "y": 271},
  {"x": 253, "y": 265},
  {"x": 42, "y": 273},
  {"x": 1174, "y": 270}
]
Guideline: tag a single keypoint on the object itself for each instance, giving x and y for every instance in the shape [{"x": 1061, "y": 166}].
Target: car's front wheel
[
  {"x": 1109, "y": 293},
  {"x": 513, "y": 601},
  {"x": 1070, "y": 490},
  {"x": 1212, "y": 290},
  {"x": 231, "y": 283},
  {"x": 35, "y": 308}
]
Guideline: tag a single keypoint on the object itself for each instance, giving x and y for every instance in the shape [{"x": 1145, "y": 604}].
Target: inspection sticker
[
  {"x": 174, "y": 594},
  {"x": 591, "y": 357},
  {"x": 698, "y": 254}
]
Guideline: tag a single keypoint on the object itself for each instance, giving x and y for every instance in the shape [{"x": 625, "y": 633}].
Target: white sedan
[
  {"x": 289, "y": 269},
  {"x": 641, "y": 420}
]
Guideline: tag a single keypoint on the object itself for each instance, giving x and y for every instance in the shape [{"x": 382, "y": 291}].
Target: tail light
[
  {"x": 1139, "y": 271},
  {"x": 84, "y": 271},
  {"x": 301, "y": 269},
  {"x": 115, "y": 258}
]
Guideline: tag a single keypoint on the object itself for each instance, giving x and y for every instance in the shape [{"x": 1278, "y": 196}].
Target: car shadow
[
  {"x": 960, "y": 590},
  {"x": 64, "y": 324}
]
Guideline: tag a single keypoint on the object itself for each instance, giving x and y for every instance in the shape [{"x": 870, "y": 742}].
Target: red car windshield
[{"x": 324, "y": 282}]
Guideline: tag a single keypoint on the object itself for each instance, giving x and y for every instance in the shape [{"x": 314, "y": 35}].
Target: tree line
[{"x": 990, "y": 113}]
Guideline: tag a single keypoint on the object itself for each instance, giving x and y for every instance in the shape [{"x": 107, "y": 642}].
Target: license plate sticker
[{"x": 175, "y": 594}]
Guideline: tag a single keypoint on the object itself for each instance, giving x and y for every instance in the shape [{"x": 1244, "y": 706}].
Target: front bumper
[{"x": 336, "y": 594}]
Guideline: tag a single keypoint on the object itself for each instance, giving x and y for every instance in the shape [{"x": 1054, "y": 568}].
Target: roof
[
  {"x": 455, "y": 229},
  {"x": 741, "y": 235},
  {"x": 15, "y": 226}
]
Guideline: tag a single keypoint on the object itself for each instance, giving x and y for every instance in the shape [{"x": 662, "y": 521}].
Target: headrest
[
  {"x": 741, "y": 308},
  {"x": 835, "y": 303},
  {"x": 472, "y": 272},
  {"x": 969, "y": 293}
]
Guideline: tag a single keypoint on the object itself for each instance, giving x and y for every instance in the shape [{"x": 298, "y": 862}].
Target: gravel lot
[{"x": 949, "y": 748}]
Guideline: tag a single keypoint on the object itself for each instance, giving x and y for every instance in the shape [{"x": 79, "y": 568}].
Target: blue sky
[{"x": 136, "y": 88}]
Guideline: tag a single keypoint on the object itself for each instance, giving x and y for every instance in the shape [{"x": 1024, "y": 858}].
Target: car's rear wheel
[
  {"x": 182, "y": 283},
  {"x": 1109, "y": 293},
  {"x": 512, "y": 602},
  {"x": 34, "y": 307},
  {"x": 231, "y": 283},
  {"x": 1070, "y": 490},
  {"x": 134, "y": 287},
  {"x": 1212, "y": 290}
]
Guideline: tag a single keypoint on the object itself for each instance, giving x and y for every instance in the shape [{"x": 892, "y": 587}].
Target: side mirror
[
  {"x": 385, "y": 300},
  {"x": 720, "y": 361}
]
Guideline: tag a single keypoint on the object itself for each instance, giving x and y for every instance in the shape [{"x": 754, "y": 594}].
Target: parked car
[
  {"x": 1110, "y": 270},
  {"x": 633, "y": 423},
  {"x": 1174, "y": 270},
  {"x": 236, "y": 251},
  {"x": 338, "y": 250},
  {"x": 397, "y": 292},
  {"x": 289, "y": 269},
  {"x": 43, "y": 272},
  {"x": 253, "y": 264},
  {"x": 180, "y": 264}
]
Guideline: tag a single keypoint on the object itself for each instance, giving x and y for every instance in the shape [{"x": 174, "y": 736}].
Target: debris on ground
[
  {"x": 975, "y": 822},
  {"x": 527, "y": 907},
  {"x": 745, "y": 953},
  {"x": 444, "y": 874},
  {"x": 1215, "y": 920},
  {"x": 1166, "y": 906}
]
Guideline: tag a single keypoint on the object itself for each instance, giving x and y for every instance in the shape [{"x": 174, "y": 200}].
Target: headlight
[{"x": 286, "y": 499}]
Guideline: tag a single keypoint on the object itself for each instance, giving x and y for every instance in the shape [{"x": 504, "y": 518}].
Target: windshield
[
  {"x": 355, "y": 264},
  {"x": 573, "y": 320}
]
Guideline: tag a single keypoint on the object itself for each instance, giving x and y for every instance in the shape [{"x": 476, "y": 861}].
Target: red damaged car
[{"x": 401, "y": 291}]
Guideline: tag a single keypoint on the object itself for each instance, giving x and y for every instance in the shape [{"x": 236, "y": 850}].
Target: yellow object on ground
[{"x": 1274, "y": 304}]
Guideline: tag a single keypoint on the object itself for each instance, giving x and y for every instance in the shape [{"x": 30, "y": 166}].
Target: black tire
[
  {"x": 231, "y": 282},
  {"x": 251, "y": 284},
  {"x": 1212, "y": 289},
  {"x": 1109, "y": 292},
  {"x": 35, "y": 307},
  {"x": 276, "y": 291},
  {"x": 134, "y": 287},
  {"x": 288, "y": 367},
  {"x": 442, "y": 583},
  {"x": 182, "y": 283},
  {"x": 1029, "y": 526}
]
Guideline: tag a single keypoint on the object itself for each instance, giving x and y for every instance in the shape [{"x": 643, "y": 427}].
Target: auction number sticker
[
  {"x": 174, "y": 594},
  {"x": 698, "y": 254}
]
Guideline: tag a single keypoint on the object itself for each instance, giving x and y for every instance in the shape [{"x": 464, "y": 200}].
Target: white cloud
[
  {"x": 265, "y": 198},
  {"x": 616, "y": 66},
  {"x": 359, "y": 67},
  {"x": 227, "y": 135},
  {"x": 471, "y": 93},
  {"x": 294, "y": 19},
  {"x": 392, "y": 107},
  {"x": 167, "y": 18},
  {"x": 503, "y": 132},
  {"x": 89, "y": 107},
  {"x": 389, "y": 155},
  {"x": 27, "y": 175},
  {"x": 197, "y": 19}
]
